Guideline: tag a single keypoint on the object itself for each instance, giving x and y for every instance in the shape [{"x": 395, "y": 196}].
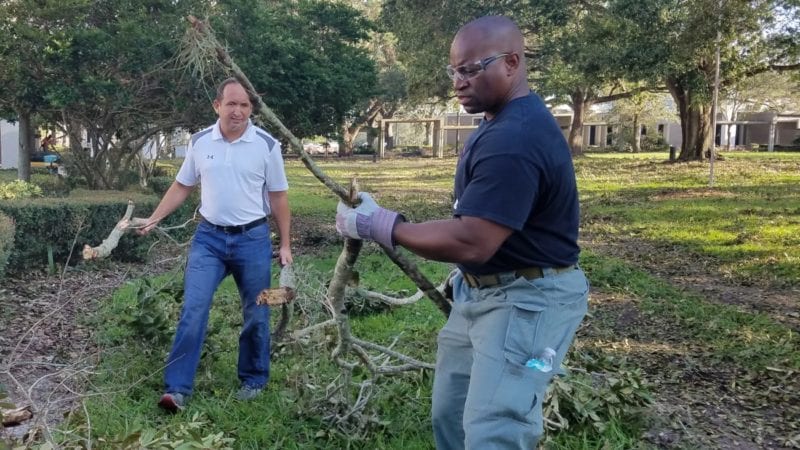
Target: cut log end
[
  {"x": 275, "y": 296},
  {"x": 89, "y": 253},
  {"x": 14, "y": 417}
]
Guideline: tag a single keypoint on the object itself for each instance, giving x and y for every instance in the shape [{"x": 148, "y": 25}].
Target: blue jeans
[
  {"x": 212, "y": 256},
  {"x": 483, "y": 395}
]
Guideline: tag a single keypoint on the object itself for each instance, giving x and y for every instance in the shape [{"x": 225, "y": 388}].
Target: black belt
[
  {"x": 493, "y": 279},
  {"x": 235, "y": 229}
]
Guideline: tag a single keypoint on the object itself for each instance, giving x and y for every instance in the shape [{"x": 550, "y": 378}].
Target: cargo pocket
[{"x": 523, "y": 327}]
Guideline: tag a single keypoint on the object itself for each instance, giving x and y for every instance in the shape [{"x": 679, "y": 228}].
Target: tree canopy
[
  {"x": 110, "y": 69},
  {"x": 586, "y": 52}
]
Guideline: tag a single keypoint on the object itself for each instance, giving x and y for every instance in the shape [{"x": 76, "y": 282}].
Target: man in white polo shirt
[{"x": 240, "y": 169}]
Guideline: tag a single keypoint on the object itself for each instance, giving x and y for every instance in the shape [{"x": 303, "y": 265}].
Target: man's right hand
[{"x": 145, "y": 229}]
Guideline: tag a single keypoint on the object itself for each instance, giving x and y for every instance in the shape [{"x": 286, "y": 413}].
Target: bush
[
  {"x": 126, "y": 178},
  {"x": 163, "y": 169},
  {"x": 19, "y": 189},
  {"x": 364, "y": 149},
  {"x": 6, "y": 241},
  {"x": 654, "y": 144},
  {"x": 159, "y": 185},
  {"x": 52, "y": 185},
  {"x": 86, "y": 217}
]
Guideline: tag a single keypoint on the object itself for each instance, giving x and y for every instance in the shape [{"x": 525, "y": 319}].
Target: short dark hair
[
  {"x": 254, "y": 100},
  {"x": 221, "y": 87}
]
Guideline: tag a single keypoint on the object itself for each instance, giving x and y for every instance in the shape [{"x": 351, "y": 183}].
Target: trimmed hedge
[
  {"x": 84, "y": 217},
  {"x": 6, "y": 241}
]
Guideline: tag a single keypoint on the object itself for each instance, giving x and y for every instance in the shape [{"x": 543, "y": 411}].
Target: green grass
[{"x": 748, "y": 223}]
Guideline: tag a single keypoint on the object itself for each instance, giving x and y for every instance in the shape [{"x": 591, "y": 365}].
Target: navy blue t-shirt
[{"x": 516, "y": 170}]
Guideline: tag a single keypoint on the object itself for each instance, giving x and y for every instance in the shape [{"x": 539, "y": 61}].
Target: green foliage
[
  {"x": 305, "y": 57},
  {"x": 6, "y": 241},
  {"x": 152, "y": 317},
  {"x": 19, "y": 189},
  {"x": 65, "y": 224},
  {"x": 160, "y": 184},
  {"x": 423, "y": 46},
  {"x": 605, "y": 390},
  {"x": 52, "y": 185},
  {"x": 184, "y": 435},
  {"x": 168, "y": 170}
]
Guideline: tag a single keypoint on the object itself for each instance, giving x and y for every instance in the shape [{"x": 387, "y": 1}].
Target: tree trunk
[
  {"x": 771, "y": 144},
  {"x": 348, "y": 136},
  {"x": 637, "y": 134},
  {"x": 27, "y": 142},
  {"x": 579, "y": 106},
  {"x": 372, "y": 134},
  {"x": 697, "y": 137},
  {"x": 427, "y": 140}
]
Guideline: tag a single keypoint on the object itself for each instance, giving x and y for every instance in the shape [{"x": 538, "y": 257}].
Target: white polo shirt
[{"x": 234, "y": 176}]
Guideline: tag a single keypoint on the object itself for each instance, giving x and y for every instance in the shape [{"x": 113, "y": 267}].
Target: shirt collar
[{"x": 248, "y": 136}]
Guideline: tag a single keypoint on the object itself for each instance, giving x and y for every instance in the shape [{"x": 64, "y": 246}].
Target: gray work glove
[{"x": 367, "y": 221}]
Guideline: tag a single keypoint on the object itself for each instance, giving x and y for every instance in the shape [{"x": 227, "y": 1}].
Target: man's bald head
[
  {"x": 497, "y": 32},
  {"x": 491, "y": 50}
]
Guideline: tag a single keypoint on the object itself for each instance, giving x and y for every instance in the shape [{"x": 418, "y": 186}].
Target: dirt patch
[
  {"x": 46, "y": 346},
  {"x": 701, "y": 274},
  {"x": 700, "y": 402},
  {"x": 46, "y": 350},
  {"x": 683, "y": 194}
]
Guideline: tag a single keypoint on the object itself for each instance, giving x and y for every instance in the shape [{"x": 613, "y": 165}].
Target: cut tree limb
[
  {"x": 14, "y": 417},
  {"x": 112, "y": 241}
]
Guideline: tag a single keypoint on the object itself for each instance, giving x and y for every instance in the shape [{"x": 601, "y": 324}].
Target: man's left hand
[{"x": 367, "y": 221}]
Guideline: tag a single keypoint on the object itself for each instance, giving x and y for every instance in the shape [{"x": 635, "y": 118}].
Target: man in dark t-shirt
[
  {"x": 516, "y": 170},
  {"x": 518, "y": 295}
]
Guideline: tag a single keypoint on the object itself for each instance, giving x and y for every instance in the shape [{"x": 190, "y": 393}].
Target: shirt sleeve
[
  {"x": 276, "y": 175},
  {"x": 503, "y": 188},
  {"x": 187, "y": 175}
]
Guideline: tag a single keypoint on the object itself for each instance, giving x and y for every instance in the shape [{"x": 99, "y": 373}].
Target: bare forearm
[
  {"x": 458, "y": 240},
  {"x": 279, "y": 203},
  {"x": 175, "y": 196}
]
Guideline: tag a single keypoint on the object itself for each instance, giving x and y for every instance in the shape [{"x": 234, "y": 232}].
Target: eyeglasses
[{"x": 470, "y": 71}]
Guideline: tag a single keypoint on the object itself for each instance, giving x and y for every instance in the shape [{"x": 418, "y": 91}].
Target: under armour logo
[{"x": 209, "y": 156}]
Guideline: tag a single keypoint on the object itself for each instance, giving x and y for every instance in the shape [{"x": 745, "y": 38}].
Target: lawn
[{"x": 647, "y": 354}]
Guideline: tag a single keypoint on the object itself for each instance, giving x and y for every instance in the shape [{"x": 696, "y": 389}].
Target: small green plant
[
  {"x": 152, "y": 317},
  {"x": 19, "y": 189},
  {"x": 186, "y": 434},
  {"x": 604, "y": 391}
]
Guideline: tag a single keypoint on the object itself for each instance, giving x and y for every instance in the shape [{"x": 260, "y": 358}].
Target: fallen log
[{"x": 14, "y": 417}]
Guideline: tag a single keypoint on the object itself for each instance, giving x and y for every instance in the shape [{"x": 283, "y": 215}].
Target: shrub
[
  {"x": 163, "y": 169},
  {"x": 364, "y": 149},
  {"x": 6, "y": 241},
  {"x": 159, "y": 185},
  {"x": 126, "y": 178},
  {"x": 52, "y": 185},
  {"x": 85, "y": 217},
  {"x": 19, "y": 189}
]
